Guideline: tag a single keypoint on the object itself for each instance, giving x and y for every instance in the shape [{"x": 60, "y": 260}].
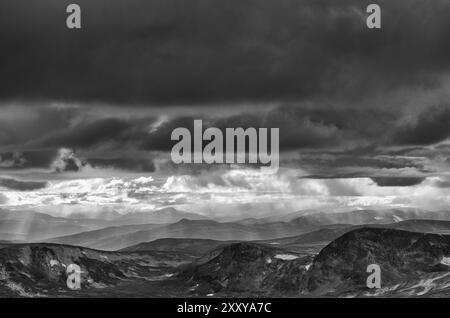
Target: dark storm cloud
[
  {"x": 342, "y": 160},
  {"x": 397, "y": 182},
  {"x": 160, "y": 138},
  {"x": 88, "y": 134},
  {"x": 68, "y": 160},
  {"x": 124, "y": 163},
  {"x": 21, "y": 185},
  {"x": 296, "y": 130},
  {"x": 384, "y": 162},
  {"x": 314, "y": 61},
  {"x": 177, "y": 51},
  {"x": 356, "y": 136},
  {"x": 27, "y": 159},
  {"x": 431, "y": 126},
  {"x": 360, "y": 163},
  {"x": 300, "y": 127},
  {"x": 20, "y": 124}
]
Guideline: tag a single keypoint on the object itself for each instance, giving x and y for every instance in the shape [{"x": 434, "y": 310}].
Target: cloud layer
[
  {"x": 363, "y": 114},
  {"x": 236, "y": 193},
  {"x": 173, "y": 52}
]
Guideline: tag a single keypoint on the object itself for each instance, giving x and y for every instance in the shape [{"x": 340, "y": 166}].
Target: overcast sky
[{"x": 364, "y": 115}]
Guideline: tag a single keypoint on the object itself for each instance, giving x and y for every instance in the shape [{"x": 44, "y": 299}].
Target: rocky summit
[
  {"x": 247, "y": 268},
  {"x": 410, "y": 263}
]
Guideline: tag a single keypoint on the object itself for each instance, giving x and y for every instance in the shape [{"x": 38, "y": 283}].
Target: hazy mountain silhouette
[
  {"x": 163, "y": 216},
  {"x": 122, "y": 237}
]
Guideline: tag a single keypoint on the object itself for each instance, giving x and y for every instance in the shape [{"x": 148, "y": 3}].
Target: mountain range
[
  {"x": 411, "y": 263},
  {"x": 328, "y": 226},
  {"x": 302, "y": 254}
]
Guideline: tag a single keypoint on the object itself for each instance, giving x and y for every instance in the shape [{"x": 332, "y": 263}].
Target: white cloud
[{"x": 237, "y": 192}]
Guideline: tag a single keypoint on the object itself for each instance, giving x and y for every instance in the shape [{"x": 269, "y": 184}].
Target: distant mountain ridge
[
  {"x": 114, "y": 238},
  {"x": 30, "y": 226},
  {"x": 127, "y": 230},
  {"x": 200, "y": 229},
  {"x": 33, "y": 226},
  {"x": 162, "y": 216},
  {"x": 385, "y": 216}
]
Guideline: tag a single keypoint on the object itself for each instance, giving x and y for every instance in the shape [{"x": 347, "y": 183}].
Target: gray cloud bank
[
  {"x": 202, "y": 51},
  {"x": 349, "y": 101}
]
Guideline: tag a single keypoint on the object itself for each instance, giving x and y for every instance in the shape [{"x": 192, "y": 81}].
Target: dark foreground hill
[
  {"x": 40, "y": 269},
  {"x": 320, "y": 238},
  {"x": 247, "y": 269},
  {"x": 411, "y": 264}
]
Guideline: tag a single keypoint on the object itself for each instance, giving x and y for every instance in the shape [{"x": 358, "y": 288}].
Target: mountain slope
[
  {"x": 425, "y": 226},
  {"x": 196, "y": 247},
  {"x": 412, "y": 264},
  {"x": 405, "y": 259},
  {"x": 314, "y": 240},
  {"x": 40, "y": 269},
  {"x": 246, "y": 269}
]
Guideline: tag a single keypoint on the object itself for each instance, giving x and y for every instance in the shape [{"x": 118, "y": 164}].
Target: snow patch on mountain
[
  {"x": 286, "y": 257},
  {"x": 445, "y": 261}
]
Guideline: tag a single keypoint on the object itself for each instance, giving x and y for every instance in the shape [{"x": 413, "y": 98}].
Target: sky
[{"x": 86, "y": 115}]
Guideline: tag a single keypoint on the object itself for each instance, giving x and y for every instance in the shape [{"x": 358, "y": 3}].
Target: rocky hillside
[
  {"x": 407, "y": 261},
  {"x": 247, "y": 269},
  {"x": 40, "y": 269},
  {"x": 412, "y": 264}
]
